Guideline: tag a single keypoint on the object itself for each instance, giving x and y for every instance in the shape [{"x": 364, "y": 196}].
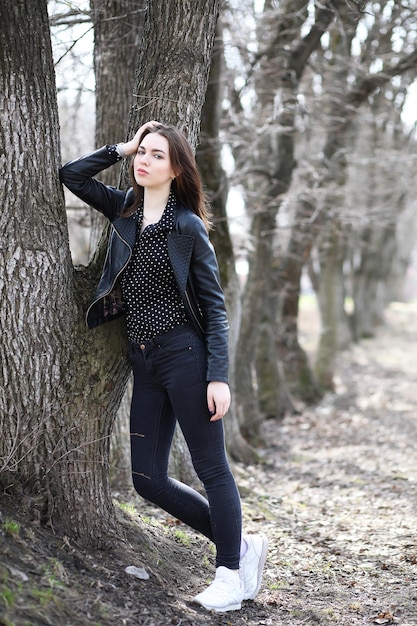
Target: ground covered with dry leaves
[{"x": 336, "y": 495}]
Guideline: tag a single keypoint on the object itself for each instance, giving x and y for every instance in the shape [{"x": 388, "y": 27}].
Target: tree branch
[
  {"x": 70, "y": 18},
  {"x": 310, "y": 42},
  {"x": 371, "y": 82}
]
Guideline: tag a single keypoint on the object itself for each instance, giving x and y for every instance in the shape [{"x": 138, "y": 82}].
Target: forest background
[
  {"x": 302, "y": 118},
  {"x": 313, "y": 186}
]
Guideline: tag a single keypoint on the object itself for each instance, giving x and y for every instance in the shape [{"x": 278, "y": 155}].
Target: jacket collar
[{"x": 126, "y": 227}]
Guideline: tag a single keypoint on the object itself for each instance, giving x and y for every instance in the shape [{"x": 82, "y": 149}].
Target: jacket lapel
[
  {"x": 126, "y": 228},
  {"x": 180, "y": 248}
]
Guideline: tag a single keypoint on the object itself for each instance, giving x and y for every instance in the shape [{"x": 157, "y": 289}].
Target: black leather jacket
[{"x": 190, "y": 252}]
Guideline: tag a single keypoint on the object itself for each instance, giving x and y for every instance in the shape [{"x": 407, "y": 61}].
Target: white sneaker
[
  {"x": 252, "y": 565},
  {"x": 224, "y": 594}
]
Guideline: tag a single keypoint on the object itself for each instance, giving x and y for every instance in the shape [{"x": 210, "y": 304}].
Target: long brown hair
[{"x": 187, "y": 184}]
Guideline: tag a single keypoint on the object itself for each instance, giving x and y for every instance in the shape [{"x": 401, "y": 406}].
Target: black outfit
[
  {"x": 171, "y": 270},
  {"x": 152, "y": 300},
  {"x": 190, "y": 253}
]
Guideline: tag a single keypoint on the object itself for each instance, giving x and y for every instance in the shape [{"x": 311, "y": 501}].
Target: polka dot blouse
[{"x": 153, "y": 302}]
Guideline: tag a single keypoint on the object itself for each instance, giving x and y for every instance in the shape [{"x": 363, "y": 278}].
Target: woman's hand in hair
[
  {"x": 218, "y": 399},
  {"x": 131, "y": 147}
]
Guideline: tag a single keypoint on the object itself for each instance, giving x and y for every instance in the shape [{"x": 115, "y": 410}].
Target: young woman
[{"x": 161, "y": 271}]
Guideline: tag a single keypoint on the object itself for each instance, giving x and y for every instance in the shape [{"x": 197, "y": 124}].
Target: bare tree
[
  {"x": 209, "y": 159},
  {"x": 282, "y": 61},
  {"x": 324, "y": 101},
  {"x": 381, "y": 244},
  {"x": 359, "y": 85}
]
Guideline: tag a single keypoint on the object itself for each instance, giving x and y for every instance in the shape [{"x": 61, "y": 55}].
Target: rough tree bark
[
  {"x": 268, "y": 176},
  {"x": 56, "y": 418},
  {"x": 55, "y": 425},
  {"x": 117, "y": 37},
  {"x": 172, "y": 78},
  {"x": 118, "y": 26}
]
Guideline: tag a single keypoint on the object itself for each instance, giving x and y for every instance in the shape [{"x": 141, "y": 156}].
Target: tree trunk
[
  {"x": 270, "y": 170},
  {"x": 117, "y": 37},
  {"x": 283, "y": 63},
  {"x": 120, "y": 464},
  {"x": 370, "y": 278},
  {"x": 57, "y": 417},
  {"x": 118, "y": 26},
  {"x": 215, "y": 180},
  {"x": 55, "y": 425},
  {"x": 173, "y": 65},
  {"x": 378, "y": 244},
  {"x": 247, "y": 400},
  {"x": 331, "y": 298},
  {"x": 301, "y": 381}
]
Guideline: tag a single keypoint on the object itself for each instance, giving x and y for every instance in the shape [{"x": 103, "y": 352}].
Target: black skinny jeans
[{"x": 170, "y": 385}]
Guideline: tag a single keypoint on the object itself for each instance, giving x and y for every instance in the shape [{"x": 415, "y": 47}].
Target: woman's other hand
[{"x": 218, "y": 399}]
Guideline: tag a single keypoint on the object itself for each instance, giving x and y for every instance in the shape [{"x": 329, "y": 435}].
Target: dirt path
[
  {"x": 342, "y": 489},
  {"x": 337, "y": 497}
]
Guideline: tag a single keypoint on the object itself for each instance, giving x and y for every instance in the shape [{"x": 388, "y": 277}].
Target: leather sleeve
[
  {"x": 78, "y": 177},
  {"x": 204, "y": 274}
]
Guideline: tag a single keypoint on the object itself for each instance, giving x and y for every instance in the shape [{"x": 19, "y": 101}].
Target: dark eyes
[{"x": 157, "y": 155}]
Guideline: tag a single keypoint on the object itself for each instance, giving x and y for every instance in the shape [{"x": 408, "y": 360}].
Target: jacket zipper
[
  {"x": 192, "y": 311},
  {"x": 187, "y": 297},
  {"x": 115, "y": 278}
]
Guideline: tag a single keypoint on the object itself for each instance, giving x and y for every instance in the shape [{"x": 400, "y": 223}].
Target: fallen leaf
[{"x": 384, "y": 618}]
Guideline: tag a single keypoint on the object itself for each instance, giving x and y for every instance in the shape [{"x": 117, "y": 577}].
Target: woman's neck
[
  {"x": 155, "y": 200},
  {"x": 154, "y": 203}
]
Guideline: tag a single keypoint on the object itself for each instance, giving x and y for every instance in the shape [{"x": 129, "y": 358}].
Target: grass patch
[{"x": 11, "y": 527}]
